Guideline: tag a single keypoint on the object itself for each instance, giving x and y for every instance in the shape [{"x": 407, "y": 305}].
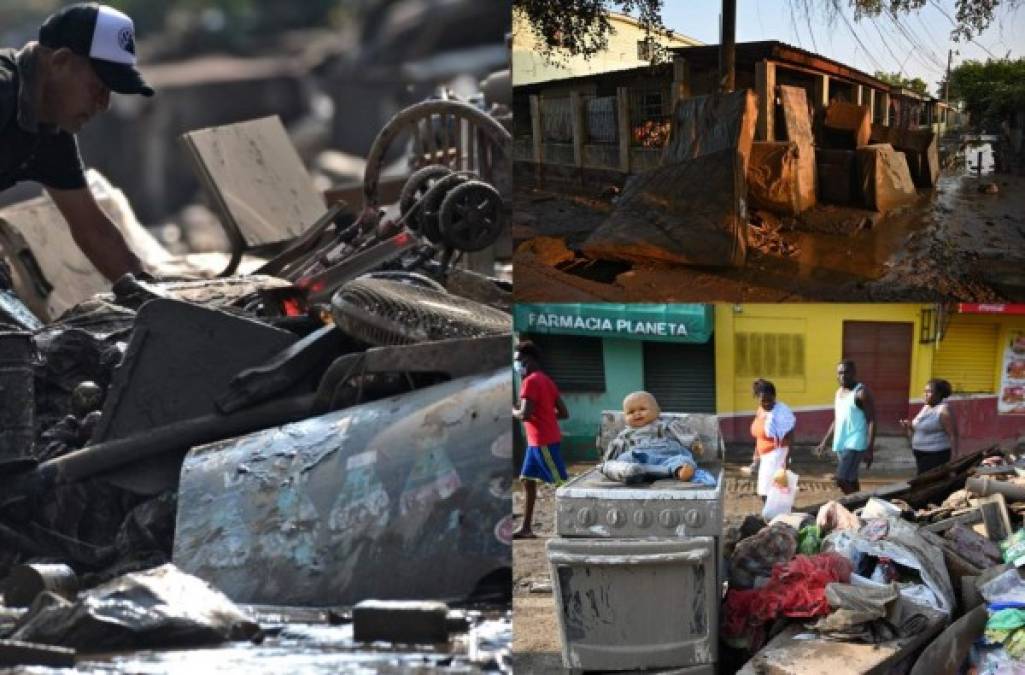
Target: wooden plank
[
  {"x": 797, "y": 651},
  {"x": 36, "y": 227},
  {"x": 256, "y": 178},
  {"x": 798, "y": 129},
  {"x": 994, "y": 515},
  {"x": 968, "y": 518},
  {"x": 948, "y": 651}
]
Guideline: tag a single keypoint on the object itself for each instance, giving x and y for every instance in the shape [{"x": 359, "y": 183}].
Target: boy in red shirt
[{"x": 540, "y": 409}]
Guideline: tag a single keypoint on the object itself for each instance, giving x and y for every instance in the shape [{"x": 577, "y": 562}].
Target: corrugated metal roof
[{"x": 750, "y": 51}]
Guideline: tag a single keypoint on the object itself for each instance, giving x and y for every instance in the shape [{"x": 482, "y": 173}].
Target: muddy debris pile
[
  {"x": 342, "y": 407},
  {"x": 709, "y": 201},
  {"x": 924, "y": 572}
]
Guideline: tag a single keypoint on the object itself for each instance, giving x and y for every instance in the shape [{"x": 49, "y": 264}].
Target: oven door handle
[{"x": 687, "y": 557}]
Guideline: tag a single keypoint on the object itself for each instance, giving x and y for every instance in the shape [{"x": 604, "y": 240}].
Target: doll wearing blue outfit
[{"x": 649, "y": 448}]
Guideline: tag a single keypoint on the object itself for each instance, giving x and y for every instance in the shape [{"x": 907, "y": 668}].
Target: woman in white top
[{"x": 933, "y": 432}]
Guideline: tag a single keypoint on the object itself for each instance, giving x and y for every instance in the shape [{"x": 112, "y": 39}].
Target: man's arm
[
  {"x": 868, "y": 406},
  {"x": 94, "y": 233},
  {"x": 560, "y": 409},
  {"x": 525, "y": 410},
  {"x": 825, "y": 439}
]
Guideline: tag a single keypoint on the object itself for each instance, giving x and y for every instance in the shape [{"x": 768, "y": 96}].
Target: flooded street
[{"x": 956, "y": 241}]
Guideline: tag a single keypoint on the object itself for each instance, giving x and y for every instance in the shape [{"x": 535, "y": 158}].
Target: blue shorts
[{"x": 544, "y": 463}]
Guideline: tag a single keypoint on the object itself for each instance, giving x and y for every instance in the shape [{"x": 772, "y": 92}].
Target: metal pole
[
  {"x": 946, "y": 83},
  {"x": 728, "y": 46}
]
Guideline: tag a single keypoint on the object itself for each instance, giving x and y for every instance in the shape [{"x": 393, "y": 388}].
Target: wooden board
[
  {"x": 797, "y": 651},
  {"x": 37, "y": 226},
  {"x": 797, "y": 123},
  {"x": 254, "y": 175},
  {"x": 994, "y": 515},
  {"x": 690, "y": 211}
]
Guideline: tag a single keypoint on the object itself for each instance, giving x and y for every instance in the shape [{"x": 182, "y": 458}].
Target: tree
[
  {"x": 581, "y": 27},
  {"x": 991, "y": 91},
  {"x": 971, "y": 17},
  {"x": 915, "y": 84}
]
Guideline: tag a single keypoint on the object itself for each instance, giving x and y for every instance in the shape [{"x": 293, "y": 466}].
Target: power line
[
  {"x": 858, "y": 40},
  {"x": 887, "y": 45},
  {"x": 915, "y": 45},
  {"x": 954, "y": 24},
  {"x": 918, "y": 42}
]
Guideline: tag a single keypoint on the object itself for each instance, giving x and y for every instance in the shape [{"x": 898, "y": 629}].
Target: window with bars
[
  {"x": 650, "y": 117},
  {"x": 557, "y": 119},
  {"x": 648, "y": 104},
  {"x": 600, "y": 119},
  {"x": 645, "y": 49},
  {"x": 769, "y": 355}
]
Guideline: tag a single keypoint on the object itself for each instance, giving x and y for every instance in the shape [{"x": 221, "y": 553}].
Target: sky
[{"x": 916, "y": 48}]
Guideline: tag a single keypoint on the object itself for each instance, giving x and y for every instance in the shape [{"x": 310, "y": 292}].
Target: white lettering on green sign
[{"x": 603, "y": 325}]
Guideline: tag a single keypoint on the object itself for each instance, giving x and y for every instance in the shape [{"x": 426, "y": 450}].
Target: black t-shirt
[{"x": 50, "y": 159}]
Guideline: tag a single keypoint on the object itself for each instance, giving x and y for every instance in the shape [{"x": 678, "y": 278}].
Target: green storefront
[{"x": 599, "y": 353}]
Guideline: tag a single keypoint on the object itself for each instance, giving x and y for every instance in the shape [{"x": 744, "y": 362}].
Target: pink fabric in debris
[{"x": 797, "y": 589}]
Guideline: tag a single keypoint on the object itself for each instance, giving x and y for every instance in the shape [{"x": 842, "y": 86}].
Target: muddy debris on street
[
  {"x": 880, "y": 579},
  {"x": 842, "y": 209},
  {"x": 209, "y": 473}
]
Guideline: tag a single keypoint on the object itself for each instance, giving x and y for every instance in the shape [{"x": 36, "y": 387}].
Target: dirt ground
[
  {"x": 953, "y": 243},
  {"x": 536, "y": 641}
]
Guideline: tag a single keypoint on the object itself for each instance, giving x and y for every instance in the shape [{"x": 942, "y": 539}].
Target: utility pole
[
  {"x": 946, "y": 83},
  {"x": 728, "y": 46}
]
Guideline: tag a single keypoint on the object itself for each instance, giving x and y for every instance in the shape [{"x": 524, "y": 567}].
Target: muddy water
[{"x": 315, "y": 649}]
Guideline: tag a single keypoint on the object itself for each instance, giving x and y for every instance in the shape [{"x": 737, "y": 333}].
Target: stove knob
[
  {"x": 642, "y": 518},
  {"x": 693, "y": 518},
  {"x": 668, "y": 519},
  {"x": 616, "y": 517},
  {"x": 585, "y": 517}
]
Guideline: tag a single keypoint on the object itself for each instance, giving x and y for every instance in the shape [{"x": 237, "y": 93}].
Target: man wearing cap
[{"x": 48, "y": 91}]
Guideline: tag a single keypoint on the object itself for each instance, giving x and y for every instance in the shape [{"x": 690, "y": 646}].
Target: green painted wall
[{"x": 624, "y": 373}]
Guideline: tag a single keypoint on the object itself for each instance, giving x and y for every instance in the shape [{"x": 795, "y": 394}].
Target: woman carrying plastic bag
[{"x": 772, "y": 429}]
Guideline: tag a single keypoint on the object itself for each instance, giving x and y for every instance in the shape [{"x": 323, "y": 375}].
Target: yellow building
[
  {"x": 897, "y": 349},
  {"x": 626, "y": 49}
]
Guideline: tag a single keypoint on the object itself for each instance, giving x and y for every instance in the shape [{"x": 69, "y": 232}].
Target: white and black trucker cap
[{"x": 105, "y": 36}]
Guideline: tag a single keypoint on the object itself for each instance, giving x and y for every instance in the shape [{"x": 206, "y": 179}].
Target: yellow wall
[
  {"x": 529, "y": 67},
  {"x": 822, "y": 327}
]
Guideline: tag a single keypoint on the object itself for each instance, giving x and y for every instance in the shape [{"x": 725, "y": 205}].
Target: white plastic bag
[{"x": 780, "y": 499}]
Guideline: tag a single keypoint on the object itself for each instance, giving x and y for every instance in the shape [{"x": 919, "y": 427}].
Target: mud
[{"x": 952, "y": 243}]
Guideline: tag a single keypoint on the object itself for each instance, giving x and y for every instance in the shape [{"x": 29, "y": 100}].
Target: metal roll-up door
[
  {"x": 681, "y": 376},
  {"x": 966, "y": 357},
  {"x": 575, "y": 363}
]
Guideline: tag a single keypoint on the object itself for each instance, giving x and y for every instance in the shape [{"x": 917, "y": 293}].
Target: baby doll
[{"x": 649, "y": 448}]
